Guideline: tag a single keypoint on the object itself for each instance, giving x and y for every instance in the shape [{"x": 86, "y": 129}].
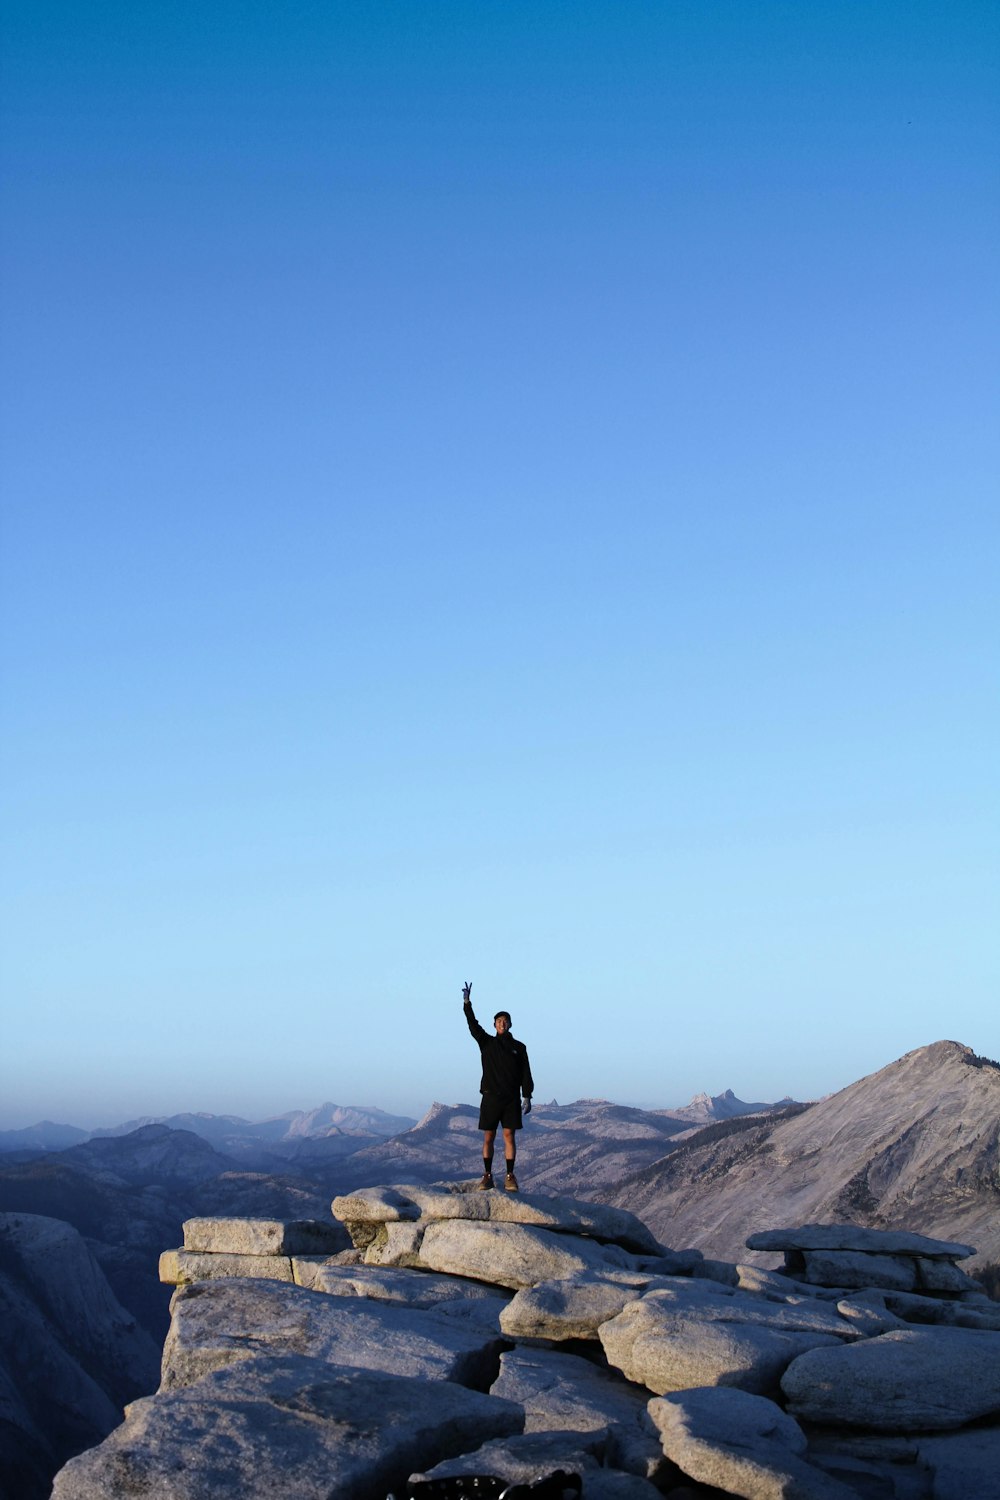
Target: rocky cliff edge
[{"x": 510, "y": 1335}]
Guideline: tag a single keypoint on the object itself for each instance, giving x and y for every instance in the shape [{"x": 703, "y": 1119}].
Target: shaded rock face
[
  {"x": 641, "y": 1378},
  {"x": 70, "y": 1355}
]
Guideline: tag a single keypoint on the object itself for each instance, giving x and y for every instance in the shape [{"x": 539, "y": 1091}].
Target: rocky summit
[
  {"x": 469, "y": 1333},
  {"x": 914, "y": 1146}
]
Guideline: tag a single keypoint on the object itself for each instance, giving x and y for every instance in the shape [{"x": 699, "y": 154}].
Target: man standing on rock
[{"x": 506, "y": 1074}]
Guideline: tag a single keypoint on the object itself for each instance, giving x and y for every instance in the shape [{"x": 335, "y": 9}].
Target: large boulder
[
  {"x": 667, "y": 1346},
  {"x": 218, "y": 1323},
  {"x": 285, "y": 1426},
  {"x": 512, "y": 1255},
  {"x": 913, "y": 1380},
  {"x": 572, "y": 1307},
  {"x": 740, "y": 1444}
]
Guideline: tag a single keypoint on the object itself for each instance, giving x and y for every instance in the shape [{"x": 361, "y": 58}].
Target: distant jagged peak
[
  {"x": 439, "y": 1111},
  {"x": 707, "y": 1109}
]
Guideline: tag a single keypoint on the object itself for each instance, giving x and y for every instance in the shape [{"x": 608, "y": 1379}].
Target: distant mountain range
[
  {"x": 228, "y": 1133},
  {"x": 239, "y": 1137}
]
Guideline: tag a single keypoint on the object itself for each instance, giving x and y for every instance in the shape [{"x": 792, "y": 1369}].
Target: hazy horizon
[{"x": 257, "y": 1116}]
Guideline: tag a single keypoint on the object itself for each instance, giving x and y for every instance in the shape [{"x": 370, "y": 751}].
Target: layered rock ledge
[{"x": 486, "y": 1333}]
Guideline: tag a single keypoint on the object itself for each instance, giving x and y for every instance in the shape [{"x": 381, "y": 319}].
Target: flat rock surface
[
  {"x": 180, "y": 1267},
  {"x": 741, "y": 1444},
  {"x": 289, "y": 1427},
  {"x": 217, "y": 1323},
  {"x": 232, "y": 1236},
  {"x": 562, "y": 1392},
  {"x": 470, "y": 1302},
  {"x": 856, "y": 1237},
  {"x": 389, "y": 1284},
  {"x": 667, "y": 1348},
  {"x": 729, "y": 1305},
  {"x": 512, "y": 1255},
  {"x": 907, "y": 1381},
  {"x": 456, "y": 1201}
]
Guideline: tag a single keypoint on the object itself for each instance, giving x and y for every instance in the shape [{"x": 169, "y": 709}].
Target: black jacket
[{"x": 506, "y": 1070}]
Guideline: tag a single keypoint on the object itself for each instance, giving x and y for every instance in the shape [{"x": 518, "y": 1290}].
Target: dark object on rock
[{"x": 559, "y": 1485}]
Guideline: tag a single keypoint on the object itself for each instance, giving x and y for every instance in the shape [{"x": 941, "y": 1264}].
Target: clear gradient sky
[{"x": 501, "y": 492}]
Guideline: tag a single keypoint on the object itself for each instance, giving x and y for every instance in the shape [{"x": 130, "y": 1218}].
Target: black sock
[
  {"x": 488, "y": 1165},
  {"x": 510, "y": 1165}
]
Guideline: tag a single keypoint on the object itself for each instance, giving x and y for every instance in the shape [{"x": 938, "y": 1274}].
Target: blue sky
[{"x": 495, "y": 492}]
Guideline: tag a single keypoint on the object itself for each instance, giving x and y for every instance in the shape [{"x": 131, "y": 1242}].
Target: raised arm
[{"x": 474, "y": 1026}]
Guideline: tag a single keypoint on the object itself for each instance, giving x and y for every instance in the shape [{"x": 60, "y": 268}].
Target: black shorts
[{"x": 494, "y": 1111}]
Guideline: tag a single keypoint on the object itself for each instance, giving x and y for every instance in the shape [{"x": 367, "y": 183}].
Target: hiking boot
[
  {"x": 511, "y": 1183},
  {"x": 486, "y": 1182}
]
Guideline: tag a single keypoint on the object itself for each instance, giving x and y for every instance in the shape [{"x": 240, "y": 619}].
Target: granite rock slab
[
  {"x": 232, "y": 1236},
  {"x": 181, "y": 1267},
  {"x": 855, "y": 1269},
  {"x": 286, "y": 1426},
  {"x": 512, "y": 1255},
  {"x": 421, "y": 1289},
  {"x": 856, "y": 1237},
  {"x": 729, "y": 1305},
  {"x": 452, "y": 1296},
  {"x": 741, "y": 1444},
  {"x": 218, "y": 1323},
  {"x": 562, "y": 1392},
  {"x": 571, "y": 1307},
  {"x": 463, "y": 1201},
  {"x": 917, "y": 1379}
]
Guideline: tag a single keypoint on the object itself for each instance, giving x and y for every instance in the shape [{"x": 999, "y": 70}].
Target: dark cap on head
[{"x": 506, "y": 1014}]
